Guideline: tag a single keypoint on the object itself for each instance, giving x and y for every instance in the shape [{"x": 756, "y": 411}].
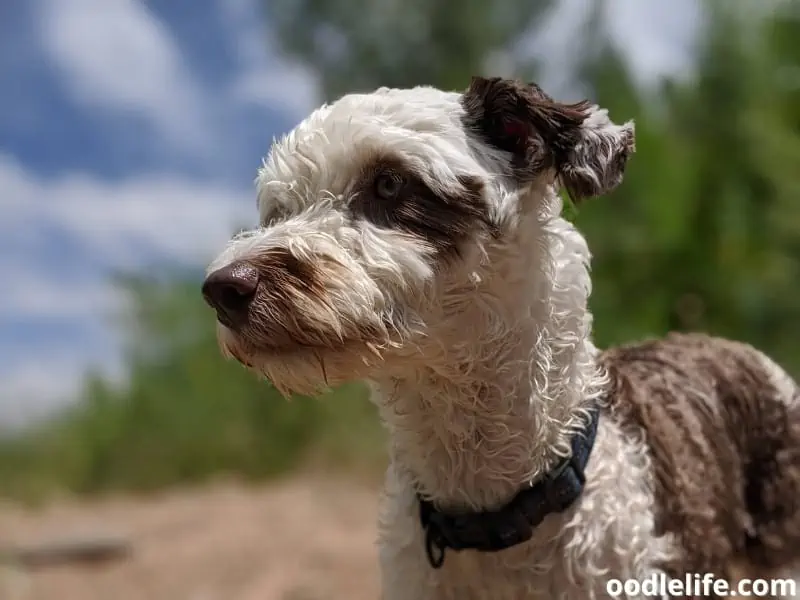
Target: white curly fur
[
  {"x": 474, "y": 438},
  {"x": 483, "y": 369}
]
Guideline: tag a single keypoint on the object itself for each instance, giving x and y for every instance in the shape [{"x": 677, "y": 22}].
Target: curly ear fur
[
  {"x": 596, "y": 164},
  {"x": 587, "y": 150}
]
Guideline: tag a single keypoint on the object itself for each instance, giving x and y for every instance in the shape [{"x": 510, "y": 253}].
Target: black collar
[{"x": 491, "y": 531}]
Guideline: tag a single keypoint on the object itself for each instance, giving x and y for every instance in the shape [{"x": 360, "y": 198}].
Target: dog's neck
[{"x": 496, "y": 403}]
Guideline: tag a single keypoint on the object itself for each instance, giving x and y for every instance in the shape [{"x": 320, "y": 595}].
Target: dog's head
[{"x": 376, "y": 208}]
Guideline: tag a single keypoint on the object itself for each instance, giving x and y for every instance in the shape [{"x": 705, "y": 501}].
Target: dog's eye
[{"x": 388, "y": 185}]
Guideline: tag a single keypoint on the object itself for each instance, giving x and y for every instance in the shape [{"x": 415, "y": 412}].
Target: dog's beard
[
  {"x": 309, "y": 370},
  {"x": 310, "y": 348}
]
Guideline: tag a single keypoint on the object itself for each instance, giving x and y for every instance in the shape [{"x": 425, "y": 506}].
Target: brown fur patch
[
  {"x": 524, "y": 121},
  {"x": 725, "y": 448},
  {"x": 293, "y": 308},
  {"x": 600, "y": 169},
  {"x": 444, "y": 219},
  {"x": 281, "y": 272}
]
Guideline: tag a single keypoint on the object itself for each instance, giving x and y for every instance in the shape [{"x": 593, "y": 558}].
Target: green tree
[
  {"x": 703, "y": 233},
  {"x": 364, "y": 44}
]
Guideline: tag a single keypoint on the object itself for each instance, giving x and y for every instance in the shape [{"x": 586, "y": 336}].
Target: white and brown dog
[{"x": 413, "y": 238}]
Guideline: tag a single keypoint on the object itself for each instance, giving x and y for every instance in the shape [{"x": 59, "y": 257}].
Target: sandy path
[{"x": 300, "y": 540}]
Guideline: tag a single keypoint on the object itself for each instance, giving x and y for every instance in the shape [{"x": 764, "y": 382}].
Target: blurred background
[{"x": 130, "y": 134}]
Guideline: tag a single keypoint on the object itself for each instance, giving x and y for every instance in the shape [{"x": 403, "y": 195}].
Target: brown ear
[
  {"x": 587, "y": 151},
  {"x": 596, "y": 164}
]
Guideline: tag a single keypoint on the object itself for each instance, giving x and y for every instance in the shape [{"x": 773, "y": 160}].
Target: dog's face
[{"x": 375, "y": 208}]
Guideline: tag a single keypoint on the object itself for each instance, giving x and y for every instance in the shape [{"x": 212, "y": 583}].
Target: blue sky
[{"x": 130, "y": 132}]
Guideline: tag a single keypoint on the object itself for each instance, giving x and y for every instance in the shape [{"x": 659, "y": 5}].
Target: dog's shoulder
[
  {"x": 697, "y": 371},
  {"x": 710, "y": 393},
  {"x": 707, "y": 407},
  {"x": 686, "y": 363}
]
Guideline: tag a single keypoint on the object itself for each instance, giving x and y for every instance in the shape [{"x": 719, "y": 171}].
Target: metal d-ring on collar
[{"x": 492, "y": 531}]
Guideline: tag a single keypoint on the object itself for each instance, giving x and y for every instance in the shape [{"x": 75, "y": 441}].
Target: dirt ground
[{"x": 301, "y": 540}]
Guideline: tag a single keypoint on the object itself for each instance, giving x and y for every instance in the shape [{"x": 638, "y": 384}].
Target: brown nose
[{"x": 230, "y": 290}]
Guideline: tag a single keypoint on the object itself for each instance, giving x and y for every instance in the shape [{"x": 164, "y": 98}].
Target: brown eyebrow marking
[{"x": 442, "y": 219}]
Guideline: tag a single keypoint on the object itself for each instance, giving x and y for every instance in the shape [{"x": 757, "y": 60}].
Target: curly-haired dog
[{"x": 413, "y": 238}]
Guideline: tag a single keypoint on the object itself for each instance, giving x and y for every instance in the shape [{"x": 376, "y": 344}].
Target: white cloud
[
  {"x": 34, "y": 385},
  {"x": 280, "y": 85},
  {"x": 116, "y": 54},
  {"x": 655, "y": 38},
  {"x": 119, "y": 224},
  {"x": 172, "y": 217},
  {"x": 40, "y": 293},
  {"x": 32, "y": 389},
  {"x": 266, "y": 78}
]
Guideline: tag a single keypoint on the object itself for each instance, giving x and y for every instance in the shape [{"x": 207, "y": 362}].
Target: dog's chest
[
  {"x": 608, "y": 533},
  {"x": 517, "y": 574}
]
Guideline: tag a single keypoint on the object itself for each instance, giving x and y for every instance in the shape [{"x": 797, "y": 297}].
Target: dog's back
[{"x": 723, "y": 427}]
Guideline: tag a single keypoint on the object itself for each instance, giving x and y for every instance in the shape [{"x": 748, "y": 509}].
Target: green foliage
[
  {"x": 185, "y": 414},
  {"x": 364, "y": 44},
  {"x": 702, "y": 235},
  {"x": 705, "y": 226}
]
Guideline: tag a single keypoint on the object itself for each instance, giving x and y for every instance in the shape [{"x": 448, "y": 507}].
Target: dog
[{"x": 414, "y": 238}]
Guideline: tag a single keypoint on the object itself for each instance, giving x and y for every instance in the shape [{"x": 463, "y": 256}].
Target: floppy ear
[
  {"x": 587, "y": 151},
  {"x": 596, "y": 164}
]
